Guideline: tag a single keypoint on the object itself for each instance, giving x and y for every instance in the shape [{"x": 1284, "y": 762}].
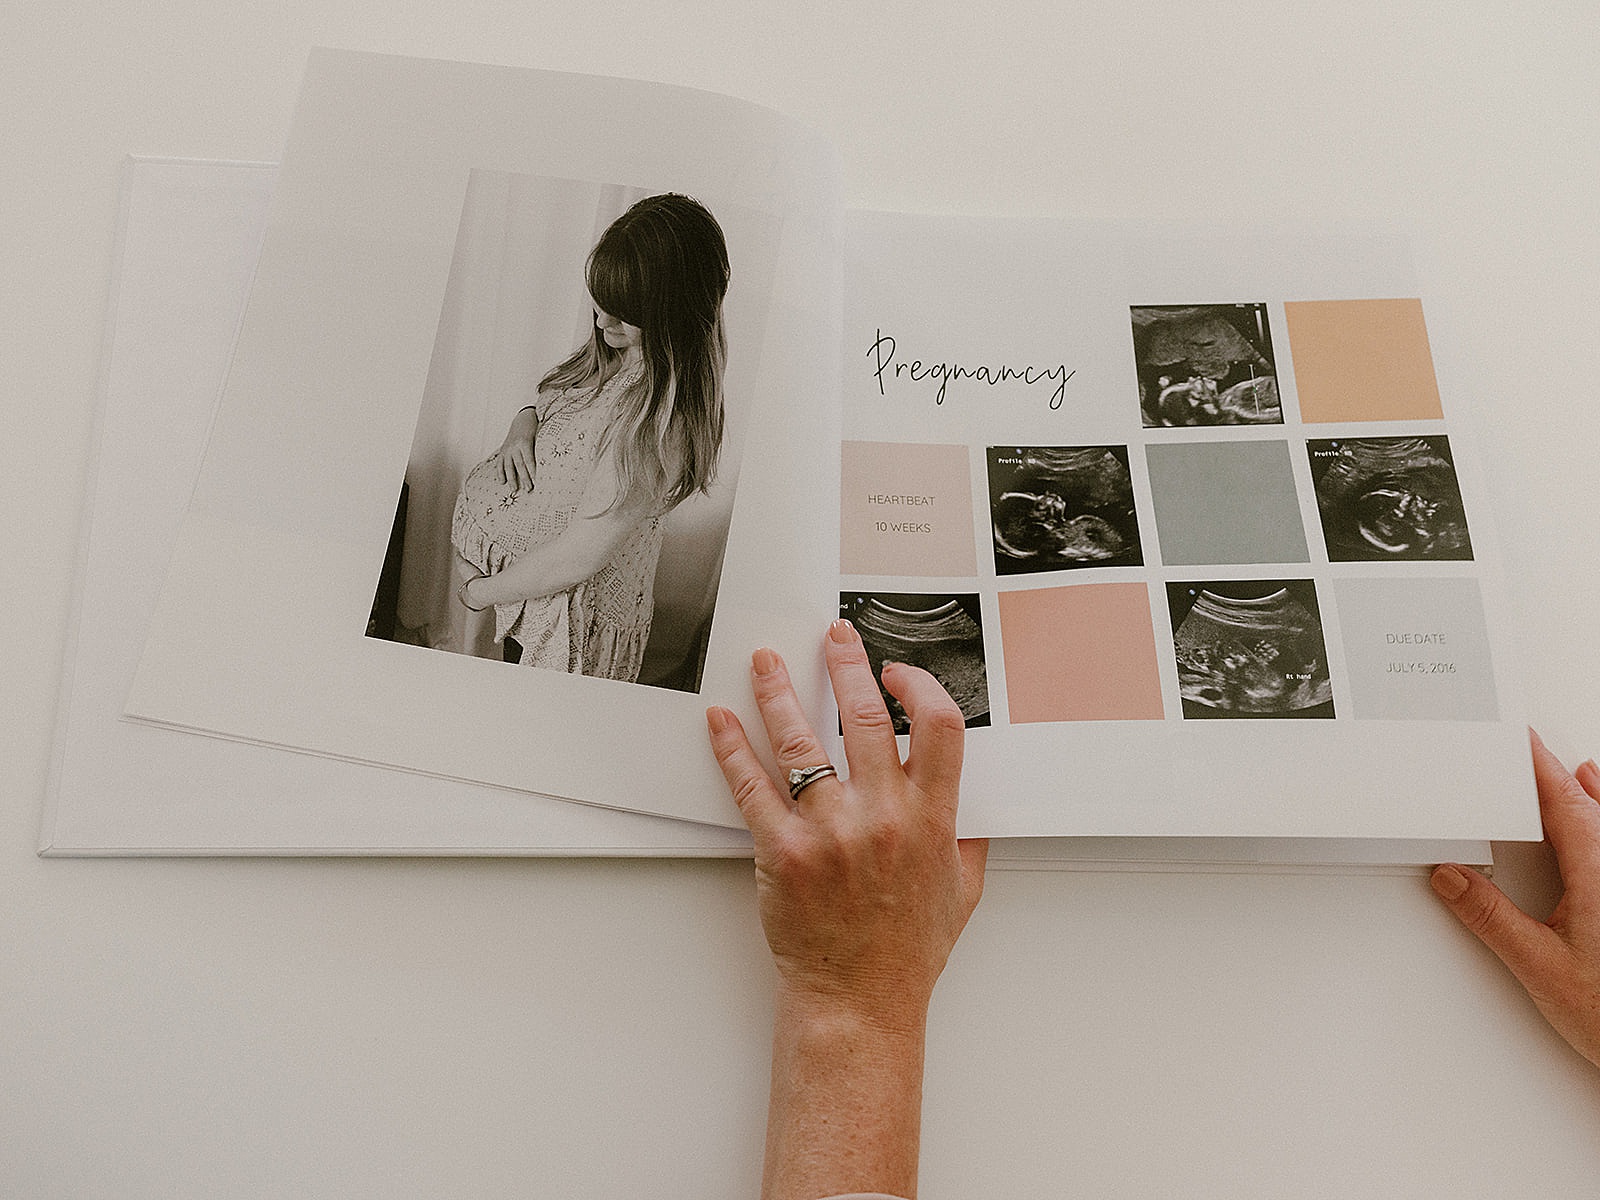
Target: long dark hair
[{"x": 661, "y": 266}]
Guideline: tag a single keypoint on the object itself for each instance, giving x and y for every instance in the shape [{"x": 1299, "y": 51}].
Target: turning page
[{"x": 502, "y": 483}]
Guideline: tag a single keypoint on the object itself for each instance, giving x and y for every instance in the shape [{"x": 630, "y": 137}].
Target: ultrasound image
[
  {"x": 1056, "y": 508},
  {"x": 1205, "y": 364},
  {"x": 1250, "y": 649},
  {"x": 1393, "y": 499},
  {"x": 941, "y": 634}
]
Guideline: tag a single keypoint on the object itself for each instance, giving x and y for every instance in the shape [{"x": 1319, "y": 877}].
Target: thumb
[{"x": 1529, "y": 948}]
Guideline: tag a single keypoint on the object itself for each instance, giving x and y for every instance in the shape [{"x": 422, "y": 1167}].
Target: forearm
[
  {"x": 593, "y": 536},
  {"x": 845, "y": 1112},
  {"x": 556, "y": 566}
]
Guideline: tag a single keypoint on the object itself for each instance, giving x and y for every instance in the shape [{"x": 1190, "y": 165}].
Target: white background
[{"x": 571, "y": 1028}]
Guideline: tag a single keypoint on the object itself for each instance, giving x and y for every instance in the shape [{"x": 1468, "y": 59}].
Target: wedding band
[{"x": 803, "y": 777}]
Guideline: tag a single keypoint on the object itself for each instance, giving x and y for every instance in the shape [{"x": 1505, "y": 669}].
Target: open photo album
[{"x": 554, "y": 396}]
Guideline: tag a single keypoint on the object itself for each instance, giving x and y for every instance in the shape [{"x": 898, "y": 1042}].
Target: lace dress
[{"x": 601, "y": 626}]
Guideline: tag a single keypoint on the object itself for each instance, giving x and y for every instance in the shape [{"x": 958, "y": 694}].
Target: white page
[
  {"x": 259, "y": 632},
  {"x": 1006, "y": 488},
  {"x": 187, "y": 245}
]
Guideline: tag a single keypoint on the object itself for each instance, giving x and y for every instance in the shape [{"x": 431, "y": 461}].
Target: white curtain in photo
[{"x": 515, "y": 305}]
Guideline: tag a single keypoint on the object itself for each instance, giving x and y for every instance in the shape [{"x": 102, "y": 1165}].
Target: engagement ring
[{"x": 803, "y": 777}]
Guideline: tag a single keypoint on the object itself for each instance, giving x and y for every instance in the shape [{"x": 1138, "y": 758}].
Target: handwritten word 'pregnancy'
[{"x": 884, "y": 362}]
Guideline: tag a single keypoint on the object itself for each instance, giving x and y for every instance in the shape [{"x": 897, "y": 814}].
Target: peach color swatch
[
  {"x": 905, "y": 509},
  {"x": 1362, "y": 360},
  {"x": 1085, "y": 653}
]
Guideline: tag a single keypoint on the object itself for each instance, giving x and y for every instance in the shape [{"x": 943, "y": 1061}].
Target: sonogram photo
[
  {"x": 1389, "y": 499},
  {"x": 1055, "y": 508},
  {"x": 942, "y": 634},
  {"x": 1250, "y": 648},
  {"x": 1205, "y": 364}
]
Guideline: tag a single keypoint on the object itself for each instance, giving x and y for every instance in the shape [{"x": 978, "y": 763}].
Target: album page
[
  {"x": 459, "y": 261},
  {"x": 1188, "y": 523}
]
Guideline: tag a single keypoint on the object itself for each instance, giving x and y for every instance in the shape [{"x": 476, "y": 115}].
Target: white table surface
[{"x": 595, "y": 1029}]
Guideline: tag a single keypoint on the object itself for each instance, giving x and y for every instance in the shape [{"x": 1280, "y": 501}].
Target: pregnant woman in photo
[{"x": 559, "y": 530}]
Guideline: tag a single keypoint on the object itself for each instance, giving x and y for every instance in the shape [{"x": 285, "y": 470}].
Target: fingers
[
  {"x": 794, "y": 742},
  {"x": 938, "y": 730},
  {"x": 869, "y": 743},
  {"x": 522, "y": 466},
  {"x": 514, "y": 468},
  {"x": 1570, "y": 814},
  {"x": 1531, "y": 950},
  {"x": 760, "y": 803}
]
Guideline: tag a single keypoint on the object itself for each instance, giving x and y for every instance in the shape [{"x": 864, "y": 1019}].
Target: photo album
[{"x": 546, "y": 398}]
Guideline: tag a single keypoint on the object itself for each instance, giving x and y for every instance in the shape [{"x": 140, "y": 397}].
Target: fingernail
[
  {"x": 841, "y": 631},
  {"x": 765, "y": 662},
  {"x": 1450, "y": 881},
  {"x": 716, "y": 719}
]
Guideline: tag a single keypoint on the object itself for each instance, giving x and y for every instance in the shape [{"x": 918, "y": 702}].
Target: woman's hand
[
  {"x": 863, "y": 888},
  {"x": 1558, "y": 960},
  {"x": 464, "y": 594},
  {"x": 514, "y": 459},
  {"x": 593, "y": 537},
  {"x": 863, "y": 892},
  {"x": 466, "y": 576}
]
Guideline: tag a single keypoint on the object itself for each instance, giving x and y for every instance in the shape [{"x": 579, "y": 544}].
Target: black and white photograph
[
  {"x": 1250, "y": 649},
  {"x": 567, "y": 497},
  {"x": 1055, "y": 508},
  {"x": 1390, "y": 499},
  {"x": 1205, "y": 364},
  {"x": 941, "y": 633}
]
